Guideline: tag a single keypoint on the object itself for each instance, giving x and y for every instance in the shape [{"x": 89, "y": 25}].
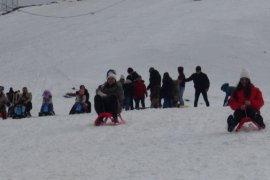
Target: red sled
[
  {"x": 103, "y": 118},
  {"x": 246, "y": 120}
]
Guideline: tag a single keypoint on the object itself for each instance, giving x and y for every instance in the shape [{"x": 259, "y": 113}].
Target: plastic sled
[
  {"x": 246, "y": 120},
  {"x": 103, "y": 118}
]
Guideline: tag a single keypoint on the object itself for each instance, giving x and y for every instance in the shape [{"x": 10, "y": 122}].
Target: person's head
[
  {"x": 111, "y": 77},
  {"x": 151, "y": 69},
  {"x": 122, "y": 78},
  {"x": 82, "y": 86},
  {"x": 166, "y": 75},
  {"x": 130, "y": 70},
  {"x": 11, "y": 90},
  {"x": 198, "y": 69},
  {"x": 244, "y": 83},
  {"x": 81, "y": 91},
  {"x": 244, "y": 77},
  {"x": 24, "y": 90},
  {"x": 224, "y": 86},
  {"x": 46, "y": 94},
  {"x": 180, "y": 70}
]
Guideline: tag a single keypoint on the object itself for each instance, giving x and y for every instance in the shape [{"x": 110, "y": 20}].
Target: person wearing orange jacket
[{"x": 246, "y": 101}]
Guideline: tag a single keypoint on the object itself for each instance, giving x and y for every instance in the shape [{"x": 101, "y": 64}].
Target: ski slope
[{"x": 66, "y": 44}]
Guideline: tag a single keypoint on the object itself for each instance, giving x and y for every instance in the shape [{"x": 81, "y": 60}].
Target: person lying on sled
[
  {"x": 109, "y": 97},
  {"x": 246, "y": 101}
]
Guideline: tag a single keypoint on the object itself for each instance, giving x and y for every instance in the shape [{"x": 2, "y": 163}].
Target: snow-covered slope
[{"x": 58, "y": 53}]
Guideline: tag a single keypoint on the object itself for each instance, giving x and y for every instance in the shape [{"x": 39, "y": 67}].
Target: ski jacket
[
  {"x": 182, "y": 82},
  {"x": 112, "y": 90},
  {"x": 154, "y": 80},
  {"x": 25, "y": 97},
  {"x": 200, "y": 80},
  {"x": 80, "y": 99},
  {"x": 139, "y": 89},
  {"x": 256, "y": 99},
  {"x": 133, "y": 76},
  {"x": 167, "y": 88},
  {"x": 128, "y": 88}
]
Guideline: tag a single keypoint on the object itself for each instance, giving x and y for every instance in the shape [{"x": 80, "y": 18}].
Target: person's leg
[
  {"x": 98, "y": 104},
  {"x": 137, "y": 101},
  {"x": 256, "y": 116},
  {"x": 181, "y": 93},
  {"x": 111, "y": 105},
  {"x": 143, "y": 102},
  {"x": 234, "y": 120},
  {"x": 197, "y": 94},
  {"x": 205, "y": 97},
  {"x": 28, "y": 107}
]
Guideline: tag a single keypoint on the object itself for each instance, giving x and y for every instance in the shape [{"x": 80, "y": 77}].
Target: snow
[{"x": 223, "y": 36}]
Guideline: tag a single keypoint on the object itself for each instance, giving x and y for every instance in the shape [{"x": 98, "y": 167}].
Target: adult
[
  {"x": 3, "y": 103},
  {"x": 109, "y": 97},
  {"x": 154, "y": 87},
  {"x": 26, "y": 100},
  {"x": 201, "y": 85},
  {"x": 182, "y": 84},
  {"x": 167, "y": 90},
  {"x": 246, "y": 101}
]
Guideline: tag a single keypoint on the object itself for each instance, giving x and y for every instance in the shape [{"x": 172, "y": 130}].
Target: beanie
[
  {"x": 245, "y": 74},
  {"x": 111, "y": 74}
]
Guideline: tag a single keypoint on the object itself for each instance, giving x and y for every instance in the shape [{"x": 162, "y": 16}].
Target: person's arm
[
  {"x": 190, "y": 78},
  {"x": 258, "y": 101}
]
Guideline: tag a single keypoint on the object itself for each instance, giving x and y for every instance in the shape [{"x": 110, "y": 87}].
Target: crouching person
[
  {"x": 80, "y": 105},
  {"x": 246, "y": 101},
  {"x": 47, "y": 104},
  {"x": 3, "y": 103},
  {"x": 109, "y": 97}
]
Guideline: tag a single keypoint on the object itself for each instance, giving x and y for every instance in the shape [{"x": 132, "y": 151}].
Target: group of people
[{"x": 115, "y": 95}]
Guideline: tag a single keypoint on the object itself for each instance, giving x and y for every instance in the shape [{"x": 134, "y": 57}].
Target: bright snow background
[{"x": 223, "y": 36}]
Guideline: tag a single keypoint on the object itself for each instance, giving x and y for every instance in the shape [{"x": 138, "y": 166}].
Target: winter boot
[{"x": 231, "y": 123}]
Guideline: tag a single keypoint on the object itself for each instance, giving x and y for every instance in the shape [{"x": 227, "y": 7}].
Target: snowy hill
[{"x": 69, "y": 43}]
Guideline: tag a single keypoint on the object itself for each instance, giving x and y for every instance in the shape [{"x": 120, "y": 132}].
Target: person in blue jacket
[{"x": 228, "y": 92}]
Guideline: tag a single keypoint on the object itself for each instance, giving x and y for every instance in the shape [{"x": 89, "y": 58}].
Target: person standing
[
  {"x": 182, "y": 84},
  {"x": 154, "y": 87},
  {"x": 201, "y": 85},
  {"x": 167, "y": 90},
  {"x": 3, "y": 103}
]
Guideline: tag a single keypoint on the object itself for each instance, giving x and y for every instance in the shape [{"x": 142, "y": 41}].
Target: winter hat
[
  {"x": 198, "y": 68},
  {"x": 122, "y": 76},
  {"x": 111, "y": 74},
  {"x": 245, "y": 74}
]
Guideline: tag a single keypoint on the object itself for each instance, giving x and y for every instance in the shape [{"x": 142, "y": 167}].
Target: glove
[{"x": 102, "y": 94}]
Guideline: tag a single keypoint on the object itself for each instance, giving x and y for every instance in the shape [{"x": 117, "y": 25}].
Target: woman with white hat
[{"x": 246, "y": 101}]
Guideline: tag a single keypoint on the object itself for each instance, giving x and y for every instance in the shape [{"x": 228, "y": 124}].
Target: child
[
  {"x": 139, "y": 92},
  {"x": 47, "y": 104}
]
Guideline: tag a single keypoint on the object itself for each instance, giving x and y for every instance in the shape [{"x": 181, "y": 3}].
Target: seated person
[
  {"x": 109, "y": 97},
  {"x": 80, "y": 105},
  {"x": 246, "y": 101},
  {"x": 47, "y": 104},
  {"x": 25, "y": 100}
]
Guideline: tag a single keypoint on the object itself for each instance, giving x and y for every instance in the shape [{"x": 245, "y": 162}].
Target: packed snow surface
[{"x": 69, "y": 43}]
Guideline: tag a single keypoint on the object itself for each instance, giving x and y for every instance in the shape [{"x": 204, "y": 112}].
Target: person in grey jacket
[{"x": 109, "y": 97}]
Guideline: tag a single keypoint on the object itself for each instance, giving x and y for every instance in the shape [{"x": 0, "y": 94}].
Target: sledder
[
  {"x": 108, "y": 100},
  {"x": 246, "y": 102},
  {"x": 80, "y": 105},
  {"x": 47, "y": 104}
]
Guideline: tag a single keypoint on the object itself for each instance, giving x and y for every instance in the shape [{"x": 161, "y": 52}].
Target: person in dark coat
[
  {"x": 201, "y": 85},
  {"x": 154, "y": 87},
  {"x": 132, "y": 76},
  {"x": 228, "y": 92},
  {"x": 128, "y": 93},
  {"x": 3, "y": 103},
  {"x": 167, "y": 90},
  {"x": 109, "y": 97},
  {"x": 246, "y": 101},
  {"x": 182, "y": 84}
]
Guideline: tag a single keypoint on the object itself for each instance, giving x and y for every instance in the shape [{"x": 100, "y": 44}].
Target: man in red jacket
[{"x": 246, "y": 101}]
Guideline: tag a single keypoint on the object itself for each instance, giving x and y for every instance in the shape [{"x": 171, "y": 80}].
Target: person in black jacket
[
  {"x": 154, "y": 87},
  {"x": 167, "y": 90},
  {"x": 201, "y": 85},
  {"x": 132, "y": 76}
]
